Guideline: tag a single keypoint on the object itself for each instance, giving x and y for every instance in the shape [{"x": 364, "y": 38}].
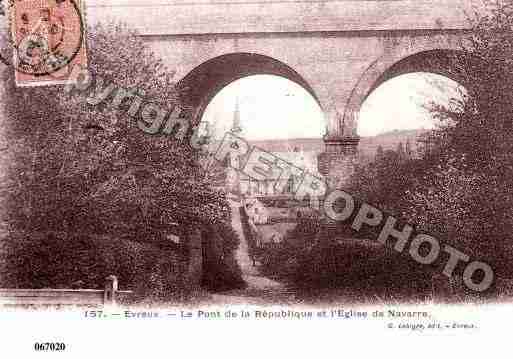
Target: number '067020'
[{"x": 53, "y": 347}]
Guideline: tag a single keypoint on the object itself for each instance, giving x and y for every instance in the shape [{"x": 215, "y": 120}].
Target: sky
[
  {"x": 273, "y": 107},
  {"x": 270, "y": 107}
]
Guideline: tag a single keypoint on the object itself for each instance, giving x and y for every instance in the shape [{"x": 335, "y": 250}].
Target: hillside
[
  {"x": 389, "y": 141},
  {"x": 367, "y": 148}
]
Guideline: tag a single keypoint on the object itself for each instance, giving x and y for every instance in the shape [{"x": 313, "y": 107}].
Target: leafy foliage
[
  {"x": 77, "y": 166},
  {"x": 384, "y": 181},
  {"x": 73, "y": 167},
  {"x": 220, "y": 269},
  {"x": 60, "y": 260},
  {"x": 460, "y": 188},
  {"x": 466, "y": 197},
  {"x": 318, "y": 256}
]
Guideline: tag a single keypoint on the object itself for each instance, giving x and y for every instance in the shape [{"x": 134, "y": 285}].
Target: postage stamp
[{"x": 48, "y": 38}]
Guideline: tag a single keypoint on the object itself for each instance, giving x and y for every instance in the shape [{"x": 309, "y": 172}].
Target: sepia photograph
[{"x": 268, "y": 167}]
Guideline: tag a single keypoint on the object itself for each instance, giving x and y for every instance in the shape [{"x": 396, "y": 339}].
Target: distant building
[
  {"x": 292, "y": 152},
  {"x": 301, "y": 153},
  {"x": 426, "y": 142}
]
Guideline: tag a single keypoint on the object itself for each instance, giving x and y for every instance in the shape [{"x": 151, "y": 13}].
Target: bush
[
  {"x": 220, "y": 268},
  {"x": 249, "y": 234},
  {"x": 315, "y": 255},
  {"x": 55, "y": 260}
]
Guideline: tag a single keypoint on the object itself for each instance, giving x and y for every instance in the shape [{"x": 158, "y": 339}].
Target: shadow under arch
[
  {"x": 444, "y": 62},
  {"x": 200, "y": 85}
]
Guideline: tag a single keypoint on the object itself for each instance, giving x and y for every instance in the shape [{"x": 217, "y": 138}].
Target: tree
[
  {"x": 75, "y": 168},
  {"x": 400, "y": 151},
  {"x": 78, "y": 166},
  {"x": 466, "y": 198},
  {"x": 379, "y": 153},
  {"x": 408, "y": 150},
  {"x": 385, "y": 181}
]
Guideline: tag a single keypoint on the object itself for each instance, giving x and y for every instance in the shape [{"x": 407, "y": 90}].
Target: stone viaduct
[{"x": 338, "y": 50}]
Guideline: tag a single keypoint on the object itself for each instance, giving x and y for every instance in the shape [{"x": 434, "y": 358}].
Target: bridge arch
[
  {"x": 438, "y": 61},
  {"x": 201, "y": 84}
]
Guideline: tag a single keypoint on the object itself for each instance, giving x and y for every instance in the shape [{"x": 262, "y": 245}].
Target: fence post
[
  {"x": 111, "y": 287},
  {"x": 195, "y": 264}
]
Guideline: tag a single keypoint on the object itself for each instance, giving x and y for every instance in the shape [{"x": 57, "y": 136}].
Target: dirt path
[
  {"x": 242, "y": 254},
  {"x": 260, "y": 290}
]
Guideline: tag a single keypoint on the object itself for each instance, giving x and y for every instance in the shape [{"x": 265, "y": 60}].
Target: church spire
[{"x": 236, "y": 125}]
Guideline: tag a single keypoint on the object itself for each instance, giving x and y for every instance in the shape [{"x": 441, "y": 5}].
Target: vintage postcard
[{"x": 240, "y": 178}]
